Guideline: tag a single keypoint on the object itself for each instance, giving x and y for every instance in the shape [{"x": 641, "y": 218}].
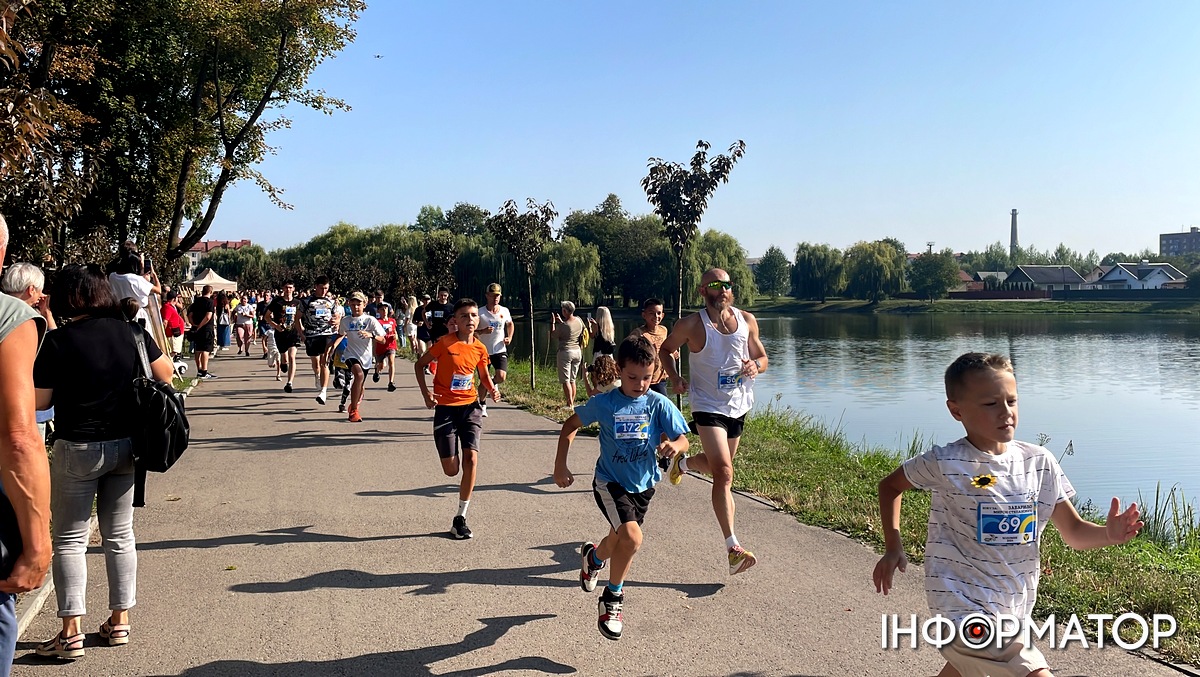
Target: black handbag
[{"x": 162, "y": 430}]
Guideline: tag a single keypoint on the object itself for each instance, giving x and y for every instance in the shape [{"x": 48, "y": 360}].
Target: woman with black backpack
[{"x": 86, "y": 369}]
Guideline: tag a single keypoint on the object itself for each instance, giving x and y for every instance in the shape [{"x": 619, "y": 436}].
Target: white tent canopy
[{"x": 207, "y": 276}]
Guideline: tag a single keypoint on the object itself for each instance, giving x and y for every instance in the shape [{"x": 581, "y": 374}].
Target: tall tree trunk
[
  {"x": 532, "y": 336},
  {"x": 679, "y": 287}
]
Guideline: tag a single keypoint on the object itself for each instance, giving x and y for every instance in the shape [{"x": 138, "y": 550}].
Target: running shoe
[
  {"x": 675, "y": 474},
  {"x": 588, "y": 574},
  {"x": 459, "y": 529},
  {"x": 209, "y": 376},
  {"x": 375, "y": 377},
  {"x": 611, "y": 621},
  {"x": 483, "y": 408},
  {"x": 283, "y": 366},
  {"x": 740, "y": 559},
  {"x": 355, "y": 417},
  {"x": 321, "y": 396},
  {"x": 287, "y": 387},
  {"x": 342, "y": 408},
  {"x": 391, "y": 387}
]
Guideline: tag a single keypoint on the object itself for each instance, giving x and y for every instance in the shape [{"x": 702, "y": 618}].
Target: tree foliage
[
  {"x": 774, "y": 273},
  {"x": 441, "y": 251},
  {"x": 818, "y": 272},
  {"x": 467, "y": 219},
  {"x": 873, "y": 271},
  {"x": 933, "y": 274},
  {"x": 680, "y": 196},
  {"x": 430, "y": 219}
]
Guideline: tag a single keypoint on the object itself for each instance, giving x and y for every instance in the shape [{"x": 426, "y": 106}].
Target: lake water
[{"x": 1123, "y": 389}]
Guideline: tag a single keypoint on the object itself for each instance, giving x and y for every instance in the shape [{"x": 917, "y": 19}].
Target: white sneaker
[{"x": 321, "y": 396}]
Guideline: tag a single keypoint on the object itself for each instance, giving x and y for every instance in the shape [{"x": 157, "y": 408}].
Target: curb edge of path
[{"x": 30, "y": 605}]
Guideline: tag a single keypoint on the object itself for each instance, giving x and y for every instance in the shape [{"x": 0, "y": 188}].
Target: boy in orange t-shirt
[{"x": 457, "y": 414}]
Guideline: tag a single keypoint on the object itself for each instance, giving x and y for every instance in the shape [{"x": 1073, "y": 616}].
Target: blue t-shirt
[{"x": 629, "y": 436}]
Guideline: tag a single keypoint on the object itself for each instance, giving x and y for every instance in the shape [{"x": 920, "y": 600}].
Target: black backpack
[{"x": 161, "y": 434}]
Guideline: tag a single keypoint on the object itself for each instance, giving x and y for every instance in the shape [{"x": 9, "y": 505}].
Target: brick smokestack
[{"x": 1013, "y": 244}]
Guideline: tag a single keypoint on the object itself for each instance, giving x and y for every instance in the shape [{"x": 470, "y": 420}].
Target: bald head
[{"x": 713, "y": 274}]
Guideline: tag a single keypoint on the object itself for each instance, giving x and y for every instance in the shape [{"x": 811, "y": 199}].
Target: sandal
[
  {"x": 62, "y": 647},
  {"x": 115, "y": 634}
]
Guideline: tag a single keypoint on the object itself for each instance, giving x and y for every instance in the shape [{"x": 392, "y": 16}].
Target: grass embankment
[
  {"x": 786, "y": 305},
  {"x": 823, "y": 479}
]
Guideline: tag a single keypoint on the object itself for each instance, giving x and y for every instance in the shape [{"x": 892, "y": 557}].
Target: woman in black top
[{"x": 85, "y": 369}]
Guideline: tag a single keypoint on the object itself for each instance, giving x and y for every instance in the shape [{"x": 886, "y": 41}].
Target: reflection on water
[{"x": 1124, "y": 389}]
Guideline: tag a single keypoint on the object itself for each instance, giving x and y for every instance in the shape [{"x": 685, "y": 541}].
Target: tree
[
  {"x": 429, "y": 219},
  {"x": 774, "y": 274},
  {"x": 872, "y": 272},
  {"x": 525, "y": 234},
  {"x": 680, "y": 195},
  {"x": 247, "y": 265},
  {"x": 466, "y": 219},
  {"x": 715, "y": 249},
  {"x": 818, "y": 272},
  {"x": 932, "y": 274},
  {"x": 440, "y": 253}
]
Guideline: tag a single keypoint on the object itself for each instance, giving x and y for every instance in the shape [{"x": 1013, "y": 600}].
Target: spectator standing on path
[
  {"x": 725, "y": 355},
  {"x": 24, "y": 471},
  {"x": 283, "y": 315},
  {"x": 85, "y": 370},
  {"x": 603, "y": 333},
  {"x": 223, "y": 315},
  {"x": 363, "y": 332},
  {"x": 975, "y": 562},
  {"x": 25, "y": 282},
  {"x": 631, "y": 419},
  {"x": 318, "y": 317},
  {"x": 656, "y": 333},
  {"x": 133, "y": 279},
  {"x": 457, "y": 420},
  {"x": 204, "y": 334},
  {"x": 567, "y": 331},
  {"x": 173, "y": 323},
  {"x": 496, "y": 331}
]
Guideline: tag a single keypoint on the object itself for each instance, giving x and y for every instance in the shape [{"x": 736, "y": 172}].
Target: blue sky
[{"x": 925, "y": 121}]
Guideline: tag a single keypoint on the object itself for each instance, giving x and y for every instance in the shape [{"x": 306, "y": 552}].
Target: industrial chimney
[{"x": 1013, "y": 244}]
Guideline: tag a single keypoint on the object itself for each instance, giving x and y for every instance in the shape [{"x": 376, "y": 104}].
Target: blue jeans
[
  {"x": 8, "y": 631},
  {"x": 79, "y": 473}
]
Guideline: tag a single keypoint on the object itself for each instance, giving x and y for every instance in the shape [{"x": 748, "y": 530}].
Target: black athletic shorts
[
  {"x": 660, "y": 387},
  {"x": 286, "y": 340},
  {"x": 204, "y": 339},
  {"x": 315, "y": 346},
  {"x": 733, "y": 426},
  {"x": 499, "y": 361},
  {"x": 456, "y": 427},
  {"x": 620, "y": 506},
  {"x": 423, "y": 333}
]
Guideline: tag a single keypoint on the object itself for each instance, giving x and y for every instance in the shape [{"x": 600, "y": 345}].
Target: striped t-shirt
[{"x": 986, "y": 520}]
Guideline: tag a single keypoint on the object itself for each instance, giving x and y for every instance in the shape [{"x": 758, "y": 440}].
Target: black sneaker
[
  {"x": 588, "y": 574},
  {"x": 391, "y": 387},
  {"x": 611, "y": 620},
  {"x": 459, "y": 529},
  {"x": 283, "y": 366},
  {"x": 287, "y": 387},
  {"x": 342, "y": 408},
  {"x": 375, "y": 377}
]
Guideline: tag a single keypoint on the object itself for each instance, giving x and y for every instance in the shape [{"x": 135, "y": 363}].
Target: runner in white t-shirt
[
  {"x": 495, "y": 332},
  {"x": 361, "y": 331}
]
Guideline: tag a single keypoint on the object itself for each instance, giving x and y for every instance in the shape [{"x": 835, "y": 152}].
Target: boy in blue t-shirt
[{"x": 632, "y": 420}]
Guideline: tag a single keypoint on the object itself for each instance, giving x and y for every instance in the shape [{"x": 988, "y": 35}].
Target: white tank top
[{"x": 715, "y": 381}]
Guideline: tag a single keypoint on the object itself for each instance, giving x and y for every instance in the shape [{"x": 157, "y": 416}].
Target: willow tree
[
  {"x": 680, "y": 195},
  {"x": 525, "y": 234}
]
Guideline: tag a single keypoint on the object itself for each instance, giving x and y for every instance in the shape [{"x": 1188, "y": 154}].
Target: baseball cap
[
  {"x": 172, "y": 295},
  {"x": 493, "y": 288},
  {"x": 358, "y": 296}
]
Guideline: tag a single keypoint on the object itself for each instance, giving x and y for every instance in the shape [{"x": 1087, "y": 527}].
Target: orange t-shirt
[{"x": 454, "y": 382}]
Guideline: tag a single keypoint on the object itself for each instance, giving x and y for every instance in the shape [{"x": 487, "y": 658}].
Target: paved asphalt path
[{"x": 288, "y": 541}]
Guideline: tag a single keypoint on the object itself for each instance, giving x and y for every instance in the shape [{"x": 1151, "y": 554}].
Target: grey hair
[
  {"x": 568, "y": 307},
  {"x": 20, "y": 276}
]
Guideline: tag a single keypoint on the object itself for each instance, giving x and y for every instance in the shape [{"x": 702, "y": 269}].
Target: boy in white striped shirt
[{"x": 991, "y": 499}]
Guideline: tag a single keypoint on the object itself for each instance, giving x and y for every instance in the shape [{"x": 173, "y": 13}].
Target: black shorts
[
  {"x": 423, "y": 333},
  {"x": 286, "y": 340},
  {"x": 733, "y": 426},
  {"x": 203, "y": 339},
  {"x": 620, "y": 506},
  {"x": 660, "y": 387},
  {"x": 499, "y": 361},
  {"x": 456, "y": 427},
  {"x": 315, "y": 346}
]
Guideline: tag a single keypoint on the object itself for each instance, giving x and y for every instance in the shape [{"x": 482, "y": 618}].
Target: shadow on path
[
  {"x": 565, "y": 556},
  {"x": 276, "y": 537},
  {"x": 444, "y": 490},
  {"x": 301, "y": 440}
]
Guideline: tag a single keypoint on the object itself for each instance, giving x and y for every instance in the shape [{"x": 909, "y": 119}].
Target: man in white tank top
[{"x": 724, "y": 356}]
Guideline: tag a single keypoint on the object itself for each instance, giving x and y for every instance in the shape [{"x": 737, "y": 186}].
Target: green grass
[
  {"x": 788, "y": 305},
  {"x": 817, "y": 474}
]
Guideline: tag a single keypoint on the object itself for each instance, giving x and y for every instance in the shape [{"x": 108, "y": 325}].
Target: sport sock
[
  {"x": 462, "y": 507},
  {"x": 683, "y": 465},
  {"x": 596, "y": 562},
  {"x": 616, "y": 588},
  {"x": 731, "y": 542}
]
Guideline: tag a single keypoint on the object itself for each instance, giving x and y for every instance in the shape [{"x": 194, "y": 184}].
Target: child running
[
  {"x": 361, "y": 331},
  {"x": 631, "y": 419},
  {"x": 386, "y": 351},
  {"x": 457, "y": 416},
  {"x": 991, "y": 498},
  {"x": 342, "y": 378}
]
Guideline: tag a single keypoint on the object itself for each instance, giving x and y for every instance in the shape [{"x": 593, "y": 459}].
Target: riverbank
[
  {"x": 819, "y": 476},
  {"x": 790, "y": 306}
]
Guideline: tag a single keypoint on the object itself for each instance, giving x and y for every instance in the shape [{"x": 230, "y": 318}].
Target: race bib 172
[{"x": 631, "y": 426}]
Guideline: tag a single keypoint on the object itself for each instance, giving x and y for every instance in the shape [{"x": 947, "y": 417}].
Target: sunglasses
[{"x": 720, "y": 284}]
